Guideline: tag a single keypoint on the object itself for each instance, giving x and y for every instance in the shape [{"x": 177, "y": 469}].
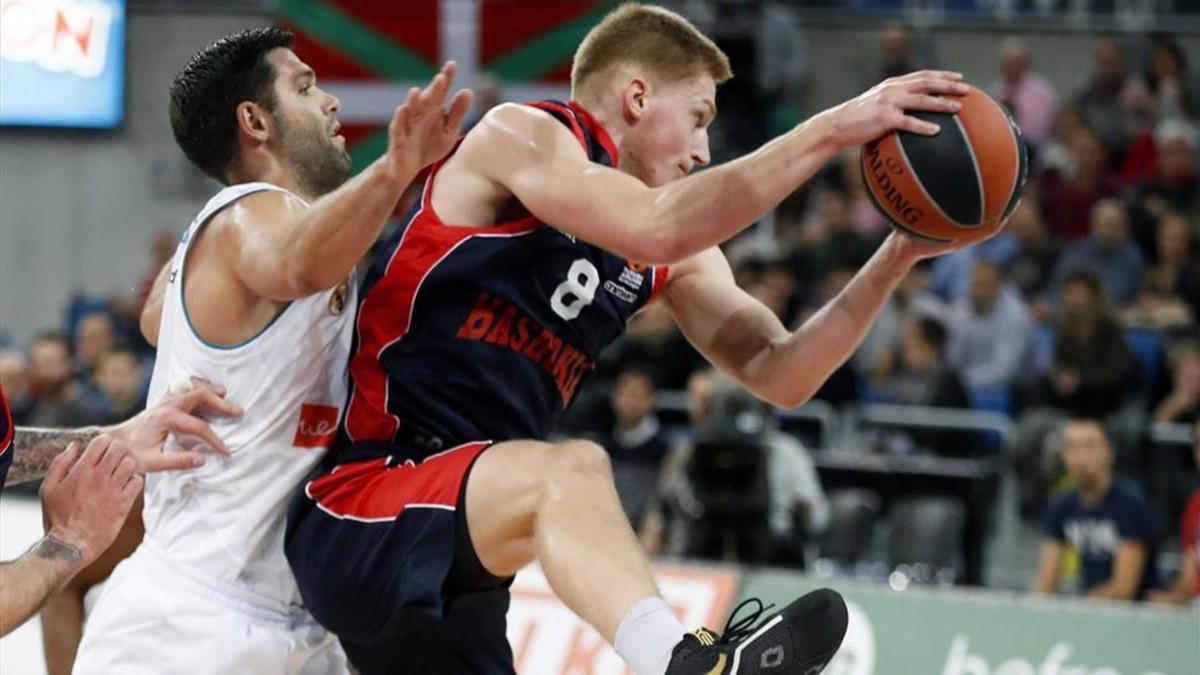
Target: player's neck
[
  {"x": 609, "y": 119},
  {"x": 269, "y": 170}
]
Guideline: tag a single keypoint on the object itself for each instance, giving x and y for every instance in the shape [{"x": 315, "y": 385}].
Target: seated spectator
[
  {"x": 1107, "y": 98},
  {"x": 1092, "y": 365},
  {"x": 1028, "y": 96},
  {"x": 923, "y": 379},
  {"x": 829, "y": 238},
  {"x": 636, "y": 442},
  {"x": 652, "y": 338},
  {"x": 1068, "y": 194},
  {"x": 1105, "y": 520},
  {"x": 1108, "y": 252},
  {"x": 1169, "y": 81},
  {"x": 951, "y": 273},
  {"x": 1032, "y": 263},
  {"x": 1090, "y": 374},
  {"x": 16, "y": 385},
  {"x": 1170, "y": 294},
  {"x": 57, "y": 402},
  {"x": 1182, "y": 403},
  {"x": 1187, "y": 582},
  {"x": 896, "y": 54},
  {"x": 876, "y": 356},
  {"x": 95, "y": 335},
  {"x": 796, "y": 504},
  {"x": 121, "y": 383},
  {"x": 773, "y": 282},
  {"x": 1173, "y": 183},
  {"x": 990, "y": 333}
]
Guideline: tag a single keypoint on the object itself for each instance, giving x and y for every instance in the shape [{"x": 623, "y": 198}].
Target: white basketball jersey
[{"x": 224, "y": 521}]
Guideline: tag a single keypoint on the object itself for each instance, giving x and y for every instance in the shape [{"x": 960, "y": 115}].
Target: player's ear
[
  {"x": 633, "y": 99},
  {"x": 253, "y": 120}
]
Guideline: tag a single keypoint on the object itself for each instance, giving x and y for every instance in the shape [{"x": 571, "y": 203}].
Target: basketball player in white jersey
[{"x": 260, "y": 297}]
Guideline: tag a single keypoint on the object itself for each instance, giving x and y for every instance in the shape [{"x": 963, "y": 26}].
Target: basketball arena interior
[{"x": 925, "y": 480}]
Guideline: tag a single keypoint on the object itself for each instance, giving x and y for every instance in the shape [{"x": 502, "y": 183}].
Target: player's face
[
  {"x": 306, "y": 125},
  {"x": 668, "y": 135}
]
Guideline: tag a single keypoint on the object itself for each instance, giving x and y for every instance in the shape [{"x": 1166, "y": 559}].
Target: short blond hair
[{"x": 664, "y": 42}]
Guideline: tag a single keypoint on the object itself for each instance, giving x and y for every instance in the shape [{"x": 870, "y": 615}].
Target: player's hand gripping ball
[{"x": 958, "y": 186}]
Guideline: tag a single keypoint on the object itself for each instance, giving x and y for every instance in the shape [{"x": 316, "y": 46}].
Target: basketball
[{"x": 956, "y": 186}]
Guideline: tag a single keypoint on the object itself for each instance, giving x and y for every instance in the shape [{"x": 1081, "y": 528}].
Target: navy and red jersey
[
  {"x": 6, "y": 437},
  {"x": 484, "y": 333}
]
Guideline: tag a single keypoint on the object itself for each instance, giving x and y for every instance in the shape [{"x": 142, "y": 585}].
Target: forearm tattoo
[
  {"x": 33, "y": 449},
  {"x": 53, "y": 548}
]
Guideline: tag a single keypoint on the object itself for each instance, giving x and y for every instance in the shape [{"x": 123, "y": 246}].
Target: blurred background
[{"x": 925, "y": 476}]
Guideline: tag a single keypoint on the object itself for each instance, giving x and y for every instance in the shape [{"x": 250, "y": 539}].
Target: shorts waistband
[{"x": 159, "y": 563}]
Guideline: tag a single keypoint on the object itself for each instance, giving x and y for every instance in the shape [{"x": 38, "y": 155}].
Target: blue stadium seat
[
  {"x": 992, "y": 400},
  {"x": 1146, "y": 345}
]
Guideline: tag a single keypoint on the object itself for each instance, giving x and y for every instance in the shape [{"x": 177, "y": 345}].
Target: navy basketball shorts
[{"x": 383, "y": 558}]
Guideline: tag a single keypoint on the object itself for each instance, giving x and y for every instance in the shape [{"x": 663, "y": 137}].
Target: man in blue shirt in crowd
[{"x": 1105, "y": 519}]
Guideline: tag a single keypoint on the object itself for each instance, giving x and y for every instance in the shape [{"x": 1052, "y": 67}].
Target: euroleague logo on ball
[{"x": 881, "y": 172}]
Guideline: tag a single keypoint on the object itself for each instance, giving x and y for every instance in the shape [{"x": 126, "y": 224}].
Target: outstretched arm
[
  {"x": 34, "y": 450},
  {"x": 285, "y": 250},
  {"x": 745, "y": 339},
  {"x": 526, "y": 153}
]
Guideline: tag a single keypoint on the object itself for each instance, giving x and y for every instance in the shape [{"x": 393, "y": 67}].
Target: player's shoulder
[
  {"x": 253, "y": 210},
  {"x": 521, "y": 129}
]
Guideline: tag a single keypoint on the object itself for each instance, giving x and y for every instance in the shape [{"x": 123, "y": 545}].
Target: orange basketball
[{"x": 958, "y": 185}]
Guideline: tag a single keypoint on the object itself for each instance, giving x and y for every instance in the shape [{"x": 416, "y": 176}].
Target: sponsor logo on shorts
[{"x": 318, "y": 426}]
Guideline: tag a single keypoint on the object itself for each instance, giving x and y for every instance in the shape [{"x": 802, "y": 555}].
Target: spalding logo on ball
[{"x": 956, "y": 186}]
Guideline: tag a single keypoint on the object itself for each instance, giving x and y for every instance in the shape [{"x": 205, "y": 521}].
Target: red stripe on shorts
[{"x": 372, "y": 491}]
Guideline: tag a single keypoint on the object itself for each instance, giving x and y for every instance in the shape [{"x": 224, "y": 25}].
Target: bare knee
[
  {"x": 582, "y": 458},
  {"x": 568, "y": 465}
]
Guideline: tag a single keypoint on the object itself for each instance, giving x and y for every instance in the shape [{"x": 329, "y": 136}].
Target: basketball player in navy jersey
[
  {"x": 535, "y": 240},
  {"x": 87, "y": 491}
]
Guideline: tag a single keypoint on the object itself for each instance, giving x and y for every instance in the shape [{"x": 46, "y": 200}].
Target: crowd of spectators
[{"x": 1085, "y": 306}]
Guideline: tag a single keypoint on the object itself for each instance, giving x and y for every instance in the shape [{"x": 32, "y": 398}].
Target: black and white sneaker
[{"x": 799, "y": 640}]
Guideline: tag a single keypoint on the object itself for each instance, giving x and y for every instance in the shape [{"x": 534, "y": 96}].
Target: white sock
[{"x": 647, "y": 635}]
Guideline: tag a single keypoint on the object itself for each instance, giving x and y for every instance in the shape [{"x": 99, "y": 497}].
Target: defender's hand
[
  {"x": 85, "y": 498},
  {"x": 422, "y": 131},
  {"x": 145, "y": 433}
]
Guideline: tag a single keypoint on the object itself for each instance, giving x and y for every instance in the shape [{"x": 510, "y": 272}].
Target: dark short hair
[
  {"x": 1086, "y": 277},
  {"x": 206, "y": 93},
  {"x": 931, "y": 331},
  {"x": 639, "y": 368},
  {"x": 122, "y": 349}
]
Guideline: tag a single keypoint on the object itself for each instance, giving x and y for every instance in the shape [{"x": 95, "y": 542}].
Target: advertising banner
[
  {"x": 62, "y": 62},
  {"x": 548, "y": 639}
]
